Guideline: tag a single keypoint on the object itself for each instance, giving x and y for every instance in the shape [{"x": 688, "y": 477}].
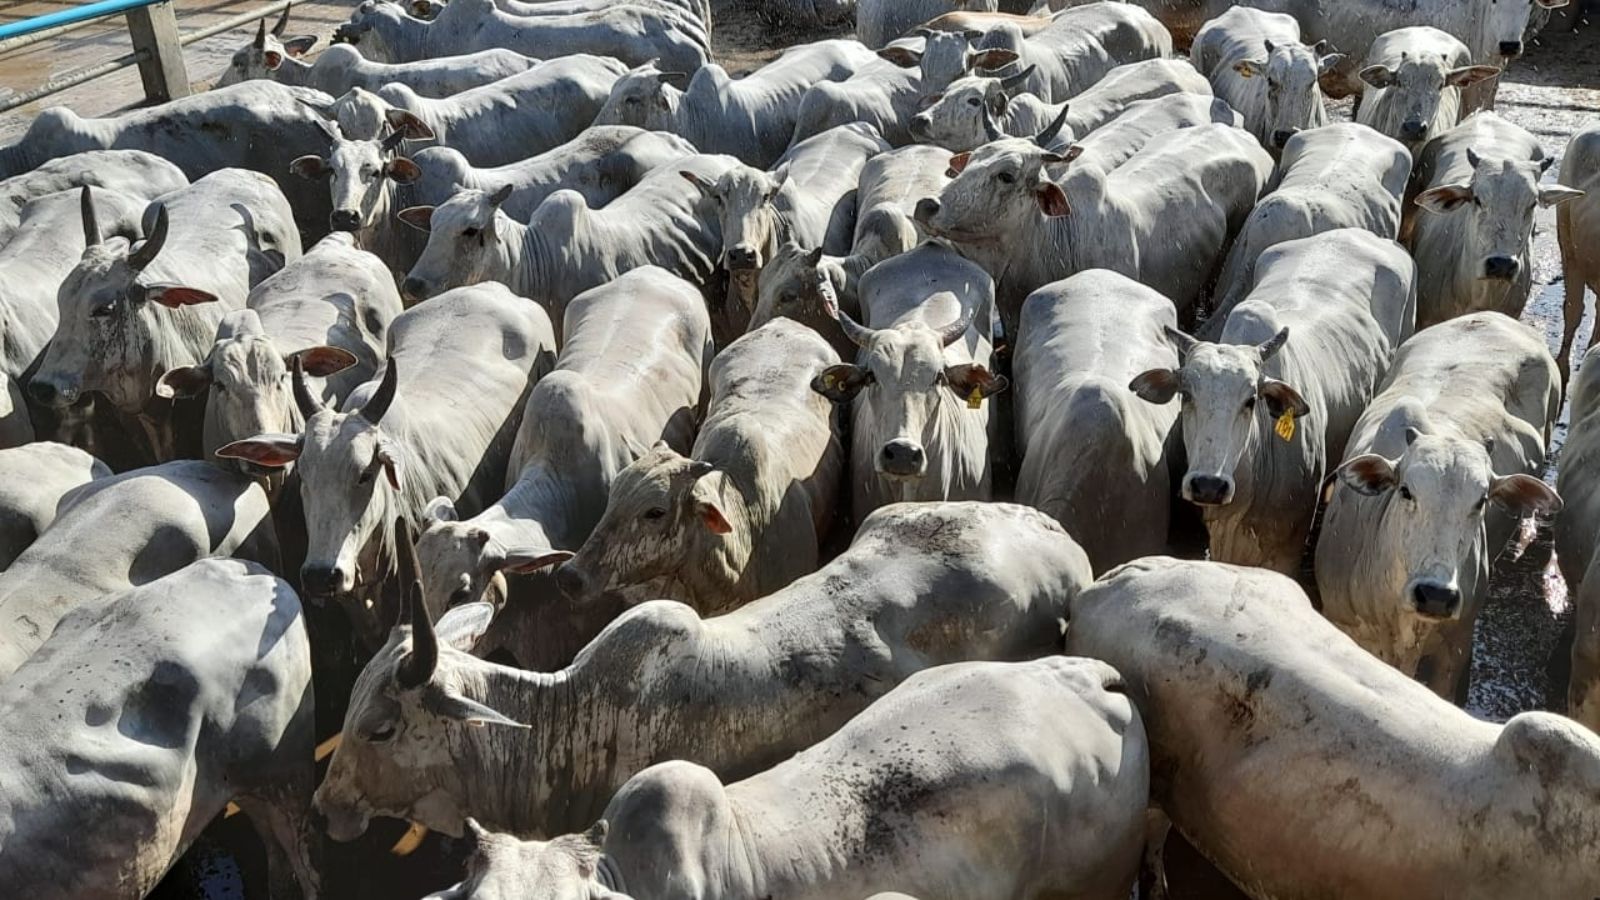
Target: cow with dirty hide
[{"x": 1257, "y": 63}]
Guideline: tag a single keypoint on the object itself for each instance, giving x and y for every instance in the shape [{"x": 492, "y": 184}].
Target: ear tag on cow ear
[
  {"x": 975, "y": 399},
  {"x": 1285, "y": 426}
]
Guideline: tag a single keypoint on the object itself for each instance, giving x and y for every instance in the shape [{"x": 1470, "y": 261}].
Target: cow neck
[
  {"x": 541, "y": 501},
  {"x": 526, "y": 258},
  {"x": 715, "y": 581},
  {"x": 405, "y": 39},
  {"x": 293, "y": 72}
]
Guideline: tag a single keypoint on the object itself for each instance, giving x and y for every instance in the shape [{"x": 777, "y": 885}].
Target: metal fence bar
[
  {"x": 86, "y": 12},
  {"x": 72, "y": 79},
  {"x": 28, "y": 40},
  {"x": 247, "y": 18}
]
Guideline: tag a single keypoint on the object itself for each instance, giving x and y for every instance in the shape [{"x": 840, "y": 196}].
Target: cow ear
[
  {"x": 1156, "y": 385},
  {"x": 270, "y": 450},
  {"x": 462, "y": 626},
  {"x": 1368, "y": 475},
  {"x": 391, "y": 464},
  {"x": 273, "y": 59},
  {"x": 904, "y": 57},
  {"x": 418, "y": 217},
  {"x": 1524, "y": 495},
  {"x": 300, "y": 44},
  {"x": 1551, "y": 194},
  {"x": 1466, "y": 76},
  {"x": 1551, "y": 4},
  {"x": 310, "y": 167},
  {"x": 401, "y": 170},
  {"x": 991, "y": 59},
  {"x": 455, "y": 707},
  {"x": 184, "y": 382},
  {"x": 695, "y": 179},
  {"x": 1052, "y": 199},
  {"x": 1062, "y": 158},
  {"x": 711, "y": 516},
  {"x": 1250, "y": 68},
  {"x": 1282, "y": 399},
  {"x": 1330, "y": 62},
  {"x": 972, "y": 382},
  {"x": 842, "y": 382},
  {"x": 438, "y": 510},
  {"x": 173, "y": 296},
  {"x": 958, "y": 164},
  {"x": 1378, "y": 76},
  {"x": 526, "y": 561},
  {"x": 407, "y": 123},
  {"x": 324, "y": 361},
  {"x": 1444, "y": 198}
]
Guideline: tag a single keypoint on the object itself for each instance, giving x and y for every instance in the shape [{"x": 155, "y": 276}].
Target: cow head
[
  {"x": 398, "y": 753},
  {"x": 360, "y": 173},
  {"x": 1504, "y": 23},
  {"x": 1417, "y": 88},
  {"x": 963, "y": 116},
  {"x": 645, "y": 97},
  {"x": 945, "y": 56},
  {"x": 502, "y": 867},
  {"x": 1230, "y": 406},
  {"x": 1499, "y": 197},
  {"x": 792, "y": 285},
  {"x": 466, "y": 242},
  {"x": 267, "y": 53},
  {"x": 912, "y": 392},
  {"x": 373, "y": 27},
  {"x": 1435, "y": 497},
  {"x": 998, "y": 193},
  {"x": 246, "y": 381},
  {"x": 660, "y": 506},
  {"x": 1293, "y": 95},
  {"x": 117, "y": 322},
  {"x": 744, "y": 197},
  {"x": 350, "y": 473},
  {"x": 463, "y": 563}
]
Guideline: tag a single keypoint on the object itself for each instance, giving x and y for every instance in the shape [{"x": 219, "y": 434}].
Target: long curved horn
[
  {"x": 1048, "y": 136},
  {"x": 378, "y": 403},
  {"x": 991, "y": 128},
  {"x": 307, "y": 402},
  {"x": 955, "y": 330},
  {"x": 415, "y": 668},
  {"x": 283, "y": 22},
  {"x": 91, "y": 223},
  {"x": 859, "y": 334},
  {"x": 1181, "y": 342},
  {"x": 152, "y": 245},
  {"x": 1270, "y": 347},
  {"x": 1012, "y": 82}
]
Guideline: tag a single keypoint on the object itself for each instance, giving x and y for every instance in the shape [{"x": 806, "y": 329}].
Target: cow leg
[
  {"x": 1153, "y": 866},
  {"x": 1572, "y": 304},
  {"x": 284, "y": 825}
]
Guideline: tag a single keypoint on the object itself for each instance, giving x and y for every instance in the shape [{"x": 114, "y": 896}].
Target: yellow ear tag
[
  {"x": 1285, "y": 426},
  {"x": 975, "y": 399}
]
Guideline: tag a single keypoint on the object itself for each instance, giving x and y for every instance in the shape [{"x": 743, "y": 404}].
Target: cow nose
[
  {"x": 344, "y": 220},
  {"x": 926, "y": 209},
  {"x": 1510, "y": 48},
  {"x": 321, "y": 581},
  {"x": 1282, "y": 136},
  {"x": 1208, "y": 490},
  {"x": 570, "y": 581},
  {"x": 43, "y": 392},
  {"x": 903, "y": 458},
  {"x": 1413, "y": 131},
  {"x": 741, "y": 256},
  {"x": 1501, "y": 268},
  {"x": 1436, "y": 601},
  {"x": 920, "y": 124},
  {"x": 414, "y": 289}
]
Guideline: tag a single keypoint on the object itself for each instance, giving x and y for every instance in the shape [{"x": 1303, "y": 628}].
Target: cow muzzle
[
  {"x": 345, "y": 822},
  {"x": 920, "y": 125},
  {"x": 1280, "y": 138},
  {"x": 52, "y": 394},
  {"x": 344, "y": 220},
  {"x": 1432, "y": 600},
  {"x": 572, "y": 582},
  {"x": 743, "y": 256},
  {"x": 926, "y": 209},
  {"x": 321, "y": 581},
  {"x": 1413, "y": 131},
  {"x": 414, "y": 289},
  {"x": 1501, "y": 268},
  {"x": 1511, "y": 49},
  {"x": 901, "y": 458},
  {"x": 1208, "y": 490}
]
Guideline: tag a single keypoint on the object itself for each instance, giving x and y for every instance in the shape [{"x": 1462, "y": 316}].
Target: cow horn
[
  {"x": 91, "y": 223},
  {"x": 955, "y": 330},
  {"x": 1012, "y": 82},
  {"x": 1181, "y": 342},
  {"x": 378, "y": 403},
  {"x": 416, "y": 667},
  {"x": 1052, "y": 131},
  {"x": 991, "y": 128},
  {"x": 394, "y": 140},
  {"x": 283, "y": 22},
  {"x": 261, "y": 35},
  {"x": 1272, "y": 345},
  {"x": 147, "y": 251},
  {"x": 306, "y": 401},
  {"x": 858, "y": 334}
]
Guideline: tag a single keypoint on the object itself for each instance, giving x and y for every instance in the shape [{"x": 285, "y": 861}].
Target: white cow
[
  {"x": 1578, "y": 233},
  {"x": 1271, "y": 404},
  {"x": 1481, "y": 186},
  {"x": 631, "y": 372},
  {"x": 132, "y": 173},
  {"x": 1094, "y": 456},
  {"x": 440, "y": 423},
  {"x": 1337, "y": 176},
  {"x": 1082, "y": 45},
  {"x": 1408, "y": 538},
  {"x": 922, "y": 585},
  {"x": 1577, "y": 536},
  {"x": 1304, "y": 768},
  {"x": 919, "y": 429},
  {"x": 33, "y": 481},
  {"x": 114, "y": 533},
  {"x": 1414, "y": 78},
  {"x": 880, "y": 21},
  {"x": 985, "y": 781},
  {"x": 745, "y": 513},
  {"x": 1257, "y": 63}
]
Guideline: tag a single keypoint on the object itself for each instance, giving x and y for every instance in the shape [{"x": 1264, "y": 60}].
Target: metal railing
[{"x": 157, "y": 45}]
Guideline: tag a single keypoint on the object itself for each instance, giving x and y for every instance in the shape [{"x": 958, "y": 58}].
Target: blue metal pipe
[{"x": 71, "y": 16}]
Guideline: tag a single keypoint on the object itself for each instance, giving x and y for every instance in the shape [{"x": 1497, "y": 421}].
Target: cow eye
[
  {"x": 631, "y": 101},
  {"x": 103, "y": 310},
  {"x": 1482, "y": 501},
  {"x": 471, "y": 232},
  {"x": 1249, "y": 403},
  {"x": 1405, "y": 493},
  {"x": 654, "y": 512},
  {"x": 974, "y": 102},
  {"x": 367, "y": 476},
  {"x": 1006, "y": 178},
  {"x": 382, "y": 733},
  {"x": 460, "y": 595}
]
